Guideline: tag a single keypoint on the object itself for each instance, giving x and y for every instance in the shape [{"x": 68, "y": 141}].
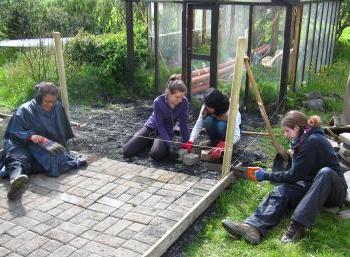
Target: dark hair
[
  {"x": 297, "y": 118},
  {"x": 218, "y": 101},
  {"x": 175, "y": 84},
  {"x": 45, "y": 88}
]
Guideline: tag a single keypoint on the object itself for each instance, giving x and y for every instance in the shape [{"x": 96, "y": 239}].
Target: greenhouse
[{"x": 287, "y": 40}]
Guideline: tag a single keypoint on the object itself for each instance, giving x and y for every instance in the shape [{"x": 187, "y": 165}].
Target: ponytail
[{"x": 314, "y": 121}]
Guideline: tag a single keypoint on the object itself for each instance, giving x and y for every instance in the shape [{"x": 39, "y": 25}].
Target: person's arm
[
  {"x": 301, "y": 167},
  {"x": 198, "y": 126},
  {"x": 183, "y": 119},
  {"x": 19, "y": 127},
  {"x": 158, "y": 116}
]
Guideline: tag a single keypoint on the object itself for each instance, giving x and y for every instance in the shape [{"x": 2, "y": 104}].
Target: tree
[{"x": 344, "y": 17}]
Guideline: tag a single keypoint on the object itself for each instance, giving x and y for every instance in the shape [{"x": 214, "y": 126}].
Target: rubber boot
[{"x": 18, "y": 182}]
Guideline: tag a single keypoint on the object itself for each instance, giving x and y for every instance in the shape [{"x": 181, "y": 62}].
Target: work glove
[
  {"x": 260, "y": 175},
  {"x": 52, "y": 147},
  {"x": 188, "y": 146},
  {"x": 216, "y": 152}
]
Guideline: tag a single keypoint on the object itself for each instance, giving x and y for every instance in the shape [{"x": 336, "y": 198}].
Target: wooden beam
[
  {"x": 162, "y": 245},
  {"x": 236, "y": 86},
  {"x": 61, "y": 72},
  {"x": 156, "y": 46},
  {"x": 130, "y": 41}
]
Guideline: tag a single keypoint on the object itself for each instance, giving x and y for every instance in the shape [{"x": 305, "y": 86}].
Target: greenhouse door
[{"x": 201, "y": 47}]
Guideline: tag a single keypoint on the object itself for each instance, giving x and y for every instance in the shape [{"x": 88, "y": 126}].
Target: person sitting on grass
[
  {"x": 35, "y": 140},
  {"x": 314, "y": 181},
  {"x": 168, "y": 108},
  {"x": 213, "y": 117}
]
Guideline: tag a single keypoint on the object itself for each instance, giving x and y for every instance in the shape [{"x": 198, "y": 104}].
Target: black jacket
[{"x": 315, "y": 153}]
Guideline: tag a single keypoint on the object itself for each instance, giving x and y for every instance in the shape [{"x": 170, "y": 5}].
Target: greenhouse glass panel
[
  {"x": 317, "y": 37},
  {"x": 327, "y": 35},
  {"x": 323, "y": 26},
  {"x": 233, "y": 23},
  {"x": 334, "y": 30},
  {"x": 302, "y": 44},
  {"x": 310, "y": 41},
  {"x": 267, "y": 45}
]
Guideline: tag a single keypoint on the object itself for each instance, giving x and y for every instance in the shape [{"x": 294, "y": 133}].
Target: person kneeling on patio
[
  {"x": 314, "y": 181},
  {"x": 35, "y": 140}
]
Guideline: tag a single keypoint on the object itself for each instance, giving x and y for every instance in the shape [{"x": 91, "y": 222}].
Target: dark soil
[{"x": 109, "y": 128}]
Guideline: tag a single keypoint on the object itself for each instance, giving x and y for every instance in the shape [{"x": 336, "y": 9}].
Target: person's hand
[
  {"x": 37, "y": 139},
  {"x": 188, "y": 146},
  {"x": 52, "y": 147},
  {"x": 216, "y": 152},
  {"x": 260, "y": 175}
]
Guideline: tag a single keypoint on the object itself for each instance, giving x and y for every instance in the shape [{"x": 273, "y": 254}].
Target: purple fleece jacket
[{"x": 164, "y": 118}]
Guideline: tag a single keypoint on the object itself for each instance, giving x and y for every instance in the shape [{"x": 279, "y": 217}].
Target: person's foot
[
  {"x": 249, "y": 233},
  {"x": 295, "y": 232},
  {"x": 17, "y": 188}
]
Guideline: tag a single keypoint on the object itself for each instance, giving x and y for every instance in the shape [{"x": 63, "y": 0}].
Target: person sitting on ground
[
  {"x": 314, "y": 181},
  {"x": 213, "y": 117},
  {"x": 168, "y": 108},
  {"x": 35, "y": 140}
]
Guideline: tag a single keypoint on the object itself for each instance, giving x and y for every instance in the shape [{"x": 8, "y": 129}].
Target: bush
[{"x": 106, "y": 55}]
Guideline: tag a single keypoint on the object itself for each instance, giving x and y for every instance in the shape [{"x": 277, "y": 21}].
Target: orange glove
[{"x": 216, "y": 152}]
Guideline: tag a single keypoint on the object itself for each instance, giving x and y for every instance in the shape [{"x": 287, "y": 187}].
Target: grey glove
[{"x": 52, "y": 147}]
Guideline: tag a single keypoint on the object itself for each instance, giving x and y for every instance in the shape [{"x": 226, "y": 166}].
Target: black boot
[
  {"x": 295, "y": 232},
  {"x": 18, "y": 182},
  {"x": 237, "y": 230}
]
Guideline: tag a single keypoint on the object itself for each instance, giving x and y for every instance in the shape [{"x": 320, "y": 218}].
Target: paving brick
[
  {"x": 31, "y": 245},
  {"x": 137, "y": 227},
  {"x": 179, "y": 178},
  {"x": 60, "y": 235},
  {"x": 197, "y": 191},
  {"x": 73, "y": 228},
  {"x": 4, "y": 251},
  {"x": 140, "y": 198},
  {"x": 150, "y": 235},
  {"x": 164, "y": 192},
  {"x": 25, "y": 222},
  {"x": 39, "y": 215},
  {"x": 70, "y": 213},
  {"x": 174, "y": 187},
  {"x": 124, "y": 252},
  {"x": 81, "y": 253},
  {"x": 78, "y": 242},
  {"x": 13, "y": 255},
  {"x": 163, "y": 222},
  {"x": 105, "y": 224},
  {"x": 111, "y": 202},
  {"x": 69, "y": 198},
  {"x": 17, "y": 242},
  {"x": 125, "y": 197},
  {"x": 178, "y": 208},
  {"x": 118, "y": 227},
  {"x": 5, "y": 238},
  {"x": 101, "y": 208},
  {"x": 127, "y": 234},
  {"x": 188, "y": 200},
  {"x": 79, "y": 191},
  {"x": 105, "y": 177},
  {"x": 147, "y": 172},
  {"x": 151, "y": 190},
  {"x": 107, "y": 188},
  {"x": 5, "y": 226},
  {"x": 109, "y": 240},
  {"x": 92, "y": 184},
  {"x": 136, "y": 246},
  {"x": 63, "y": 251},
  {"x": 49, "y": 205},
  {"x": 172, "y": 215},
  {"x": 98, "y": 248},
  {"x": 120, "y": 189},
  {"x": 41, "y": 228},
  {"x": 144, "y": 180},
  {"x": 90, "y": 235},
  {"x": 15, "y": 231},
  {"x": 152, "y": 200},
  {"x": 54, "y": 222},
  {"x": 39, "y": 253}
]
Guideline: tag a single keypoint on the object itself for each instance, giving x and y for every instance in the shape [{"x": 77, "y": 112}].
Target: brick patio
[{"x": 111, "y": 208}]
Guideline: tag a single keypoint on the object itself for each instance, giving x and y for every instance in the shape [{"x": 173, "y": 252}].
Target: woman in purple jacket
[{"x": 158, "y": 129}]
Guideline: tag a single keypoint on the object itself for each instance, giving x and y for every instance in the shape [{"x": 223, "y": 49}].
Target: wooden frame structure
[{"x": 309, "y": 29}]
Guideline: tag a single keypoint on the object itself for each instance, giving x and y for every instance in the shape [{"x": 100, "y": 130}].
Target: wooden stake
[
  {"x": 236, "y": 86},
  {"x": 61, "y": 72},
  {"x": 279, "y": 148},
  {"x": 296, "y": 39}
]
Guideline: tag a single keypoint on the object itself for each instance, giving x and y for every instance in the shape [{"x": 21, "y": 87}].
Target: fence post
[{"x": 61, "y": 72}]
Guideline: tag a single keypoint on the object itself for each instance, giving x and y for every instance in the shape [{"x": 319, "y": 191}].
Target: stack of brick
[{"x": 344, "y": 152}]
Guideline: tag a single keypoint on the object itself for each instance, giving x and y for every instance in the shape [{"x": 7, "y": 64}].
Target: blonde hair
[{"x": 297, "y": 118}]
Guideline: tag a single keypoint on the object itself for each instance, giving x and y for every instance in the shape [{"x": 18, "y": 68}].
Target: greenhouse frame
[{"x": 288, "y": 40}]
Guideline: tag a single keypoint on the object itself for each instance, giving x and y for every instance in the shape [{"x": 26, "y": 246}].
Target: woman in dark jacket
[
  {"x": 168, "y": 108},
  {"x": 314, "y": 181}
]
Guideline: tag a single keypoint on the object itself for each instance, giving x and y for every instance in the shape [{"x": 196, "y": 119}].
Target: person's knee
[
  {"x": 157, "y": 155},
  {"x": 221, "y": 129},
  {"x": 208, "y": 122},
  {"x": 127, "y": 151}
]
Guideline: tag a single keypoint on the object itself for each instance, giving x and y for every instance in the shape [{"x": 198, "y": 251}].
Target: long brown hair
[{"x": 297, "y": 118}]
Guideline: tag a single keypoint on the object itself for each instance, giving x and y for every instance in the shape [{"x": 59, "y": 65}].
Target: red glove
[
  {"x": 188, "y": 145},
  {"x": 216, "y": 152}
]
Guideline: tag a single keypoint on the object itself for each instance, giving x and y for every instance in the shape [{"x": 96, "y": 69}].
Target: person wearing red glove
[{"x": 213, "y": 118}]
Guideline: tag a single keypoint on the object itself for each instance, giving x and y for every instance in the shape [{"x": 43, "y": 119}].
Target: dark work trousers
[
  {"x": 20, "y": 156},
  {"x": 327, "y": 189},
  {"x": 137, "y": 144}
]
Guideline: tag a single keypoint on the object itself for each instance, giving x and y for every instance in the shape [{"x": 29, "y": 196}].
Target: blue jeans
[{"x": 216, "y": 129}]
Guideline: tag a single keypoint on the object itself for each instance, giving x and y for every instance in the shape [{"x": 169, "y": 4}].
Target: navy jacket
[{"x": 315, "y": 153}]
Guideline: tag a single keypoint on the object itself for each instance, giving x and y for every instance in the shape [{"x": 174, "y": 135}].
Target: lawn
[{"x": 329, "y": 237}]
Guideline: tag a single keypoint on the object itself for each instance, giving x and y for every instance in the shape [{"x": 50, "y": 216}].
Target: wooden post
[
  {"x": 236, "y": 86},
  {"x": 295, "y": 51},
  {"x": 130, "y": 42},
  {"x": 61, "y": 72},
  {"x": 279, "y": 148},
  {"x": 204, "y": 26}
]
